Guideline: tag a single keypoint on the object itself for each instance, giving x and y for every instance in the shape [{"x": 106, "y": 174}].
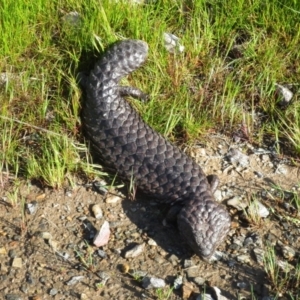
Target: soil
[{"x": 40, "y": 252}]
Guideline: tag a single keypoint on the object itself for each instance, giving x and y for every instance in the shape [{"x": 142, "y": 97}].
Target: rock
[
  {"x": 24, "y": 288},
  {"x": 281, "y": 169},
  {"x": 152, "y": 283},
  {"x": 69, "y": 193},
  {"x": 243, "y": 258},
  {"x": 102, "y": 237},
  {"x": 259, "y": 255},
  {"x": 82, "y": 218},
  {"x": 285, "y": 95},
  {"x": 3, "y": 251},
  {"x": 187, "y": 290},
  {"x": 265, "y": 158},
  {"x": 217, "y": 255},
  {"x": 53, "y": 292},
  {"x": 17, "y": 263},
  {"x": 178, "y": 282},
  {"x": 214, "y": 295},
  {"x": 188, "y": 263},
  {"x": 172, "y": 43},
  {"x": 104, "y": 276},
  {"x": 32, "y": 207},
  {"x": 237, "y": 203},
  {"x": 74, "y": 280},
  {"x": 256, "y": 208},
  {"x": 3, "y": 268},
  {"x": 237, "y": 242},
  {"x": 46, "y": 236},
  {"x": 135, "y": 235},
  {"x": 83, "y": 296},
  {"x": 97, "y": 211},
  {"x": 112, "y": 198},
  {"x": 288, "y": 252},
  {"x": 173, "y": 259},
  {"x": 100, "y": 187},
  {"x": 102, "y": 253},
  {"x": 12, "y": 253},
  {"x": 218, "y": 195},
  {"x": 199, "y": 280},
  {"x": 237, "y": 157},
  {"x": 192, "y": 272},
  {"x": 43, "y": 280},
  {"x": 251, "y": 239},
  {"x": 53, "y": 244},
  {"x": 258, "y": 174},
  {"x": 135, "y": 251},
  {"x": 159, "y": 260},
  {"x": 284, "y": 265},
  {"x": 151, "y": 242}
]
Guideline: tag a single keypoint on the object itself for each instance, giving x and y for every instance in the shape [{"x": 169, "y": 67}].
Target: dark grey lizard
[{"x": 128, "y": 145}]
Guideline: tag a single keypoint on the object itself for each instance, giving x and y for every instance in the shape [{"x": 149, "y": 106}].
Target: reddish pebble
[{"x": 102, "y": 237}]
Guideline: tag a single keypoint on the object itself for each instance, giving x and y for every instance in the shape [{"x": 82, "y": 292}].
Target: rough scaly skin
[{"x": 128, "y": 145}]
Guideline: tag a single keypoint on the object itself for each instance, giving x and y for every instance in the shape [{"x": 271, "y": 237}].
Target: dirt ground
[{"x": 49, "y": 253}]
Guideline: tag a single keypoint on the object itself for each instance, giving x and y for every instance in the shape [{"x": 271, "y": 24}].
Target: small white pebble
[
  {"x": 151, "y": 242},
  {"x": 153, "y": 283},
  {"x": 53, "y": 244},
  {"x": 135, "y": 251},
  {"x": 112, "y": 199},
  {"x": 172, "y": 43},
  {"x": 285, "y": 92},
  {"x": 258, "y": 208},
  {"x": 17, "y": 262},
  {"x": 178, "y": 282},
  {"x": 46, "y": 236},
  {"x": 97, "y": 211},
  {"x": 237, "y": 203}
]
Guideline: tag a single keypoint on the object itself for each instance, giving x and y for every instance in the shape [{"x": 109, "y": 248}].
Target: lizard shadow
[{"x": 149, "y": 216}]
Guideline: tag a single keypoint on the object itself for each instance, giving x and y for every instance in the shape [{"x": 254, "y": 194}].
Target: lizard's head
[
  {"x": 203, "y": 224},
  {"x": 128, "y": 55}
]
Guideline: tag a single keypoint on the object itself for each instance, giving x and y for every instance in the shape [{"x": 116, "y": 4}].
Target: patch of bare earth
[{"x": 49, "y": 253}]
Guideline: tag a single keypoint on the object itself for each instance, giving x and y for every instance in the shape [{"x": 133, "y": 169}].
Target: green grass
[
  {"x": 164, "y": 293},
  {"x": 234, "y": 54},
  {"x": 283, "y": 280},
  {"x": 86, "y": 258},
  {"x": 253, "y": 213}
]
